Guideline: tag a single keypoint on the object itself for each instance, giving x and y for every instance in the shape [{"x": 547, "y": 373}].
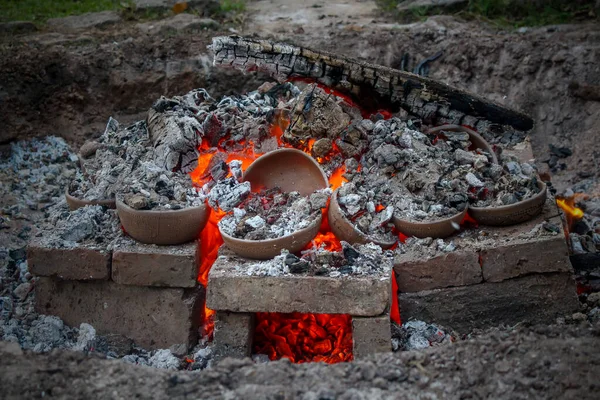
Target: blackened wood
[{"x": 372, "y": 86}]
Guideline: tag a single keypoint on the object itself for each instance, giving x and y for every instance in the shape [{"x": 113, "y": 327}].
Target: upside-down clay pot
[
  {"x": 163, "y": 227},
  {"x": 511, "y": 214},
  {"x": 345, "y": 230},
  {"x": 437, "y": 229},
  {"x": 290, "y": 170},
  {"x": 74, "y": 203},
  {"x": 478, "y": 141}
]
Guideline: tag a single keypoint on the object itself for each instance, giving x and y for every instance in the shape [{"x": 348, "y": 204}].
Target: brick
[
  {"x": 140, "y": 264},
  {"x": 458, "y": 268},
  {"x": 371, "y": 335},
  {"x": 539, "y": 298},
  {"x": 79, "y": 263},
  {"x": 152, "y": 317},
  {"x": 229, "y": 288},
  {"x": 233, "y": 334},
  {"x": 546, "y": 255}
]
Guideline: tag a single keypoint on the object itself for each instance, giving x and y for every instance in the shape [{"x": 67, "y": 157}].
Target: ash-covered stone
[
  {"x": 164, "y": 359},
  {"x": 418, "y": 335}
]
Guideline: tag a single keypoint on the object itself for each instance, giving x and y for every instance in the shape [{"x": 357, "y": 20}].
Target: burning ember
[
  {"x": 304, "y": 337},
  {"x": 299, "y": 337}
]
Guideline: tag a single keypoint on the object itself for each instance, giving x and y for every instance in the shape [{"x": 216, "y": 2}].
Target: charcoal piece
[
  {"x": 296, "y": 265},
  {"x": 322, "y": 147},
  {"x": 219, "y": 171},
  {"x": 350, "y": 253},
  {"x": 136, "y": 201}
]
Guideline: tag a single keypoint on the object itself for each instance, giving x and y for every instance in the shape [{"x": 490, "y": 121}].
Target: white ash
[
  {"x": 164, "y": 359},
  {"x": 272, "y": 214},
  {"x": 418, "y": 335},
  {"x": 89, "y": 226},
  {"x": 228, "y": 194},
  {"x": 149, "y": 187},
  {"x": 36, "y": 172},
  {"x": 358, "y": 200}
]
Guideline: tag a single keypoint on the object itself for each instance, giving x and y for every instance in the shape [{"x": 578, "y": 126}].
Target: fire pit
[{"x": 331, "y": 299}]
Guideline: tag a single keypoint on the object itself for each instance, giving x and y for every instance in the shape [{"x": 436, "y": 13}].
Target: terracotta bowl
[
  {"x": 511, "y": 214},
  {"x": 267, "y": 249},
  {"x": 439, "y": 229},
  {"x": 475, "y": 138},
  {"x": 289, "y": 169},
  {"x": 74, "y": 203},
  {"x": 345, "y": 230},
  {"x": 166, "y": 227}
]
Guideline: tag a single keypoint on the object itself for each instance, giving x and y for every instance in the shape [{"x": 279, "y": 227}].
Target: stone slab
[
  {"x": 79, "y": 263},
  {"x": 371, "y": 335},
  {"x": 539, "y": 298},
  {"x": 233, "y": 334},
  {"x": 458, "y": 268},
  {"x": 140, "y": 264},
  {"x": 231, "y": 289},
  {"x": 154, "y": 318}
]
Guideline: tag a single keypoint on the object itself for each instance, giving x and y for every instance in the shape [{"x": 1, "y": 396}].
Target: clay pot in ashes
[
  {"x": 74, "y": 203},
  {"x": 290, "y": 170},
  {"x": 511, "y": 214},
  {"x": 269, "y": 248},
  {"x": 438, "y": 229},
  {"x": 163, "y": 227},
  {"x": 345, "y": 230},
  {"x": 476, "y": 139}
]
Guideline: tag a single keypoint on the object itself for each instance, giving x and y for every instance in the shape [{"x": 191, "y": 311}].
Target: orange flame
[
  {"x": 304, "y": 337},
  {"x": 568, "y": 206},
  {"x": 299, "y": 337}
]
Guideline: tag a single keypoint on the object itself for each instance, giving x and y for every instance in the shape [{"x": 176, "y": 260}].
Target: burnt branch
[{"x": 372, "y": 86}]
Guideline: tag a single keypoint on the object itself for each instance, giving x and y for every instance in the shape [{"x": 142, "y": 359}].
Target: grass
[
  {"x": 40, "y": 10},
  {"x": 507, "y": 13}
]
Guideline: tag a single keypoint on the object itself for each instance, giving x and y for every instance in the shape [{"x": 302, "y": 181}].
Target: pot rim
[
  {"x": 121, "y": 204},
  {"x": 440, "y": 221},
  {"x": 460, "y": 128},
  {"x": 542, "y": 193},
  {"x": 317, "y": 222}
]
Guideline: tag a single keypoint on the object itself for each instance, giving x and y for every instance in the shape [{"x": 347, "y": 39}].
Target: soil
[
  {"x": 68, "y": 84},
  {"x": 540, "y": 362}
]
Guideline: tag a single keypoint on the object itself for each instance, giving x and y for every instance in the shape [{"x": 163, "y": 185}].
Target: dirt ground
[
  {"x": 68, "y": 84},
  {"x": 522, "y": 363}
]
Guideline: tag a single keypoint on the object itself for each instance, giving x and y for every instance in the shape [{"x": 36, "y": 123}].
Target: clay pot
[
  {"x": 345, "y": 230},
  {"x": 477, "y": 140},
  {"x": 440, "y": 228},
  {"x": 267, "y": 249},
  {"x": 166, "y": 227},
  {"x": 289, "y": 169},
  {"x": 511, "y": 214},
  {"x": 74, "y": 203}
]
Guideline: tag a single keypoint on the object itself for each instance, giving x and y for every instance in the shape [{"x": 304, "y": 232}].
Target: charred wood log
[
  {"x": 372, "y": 86},
  {"x": 175, "y": 133}
]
